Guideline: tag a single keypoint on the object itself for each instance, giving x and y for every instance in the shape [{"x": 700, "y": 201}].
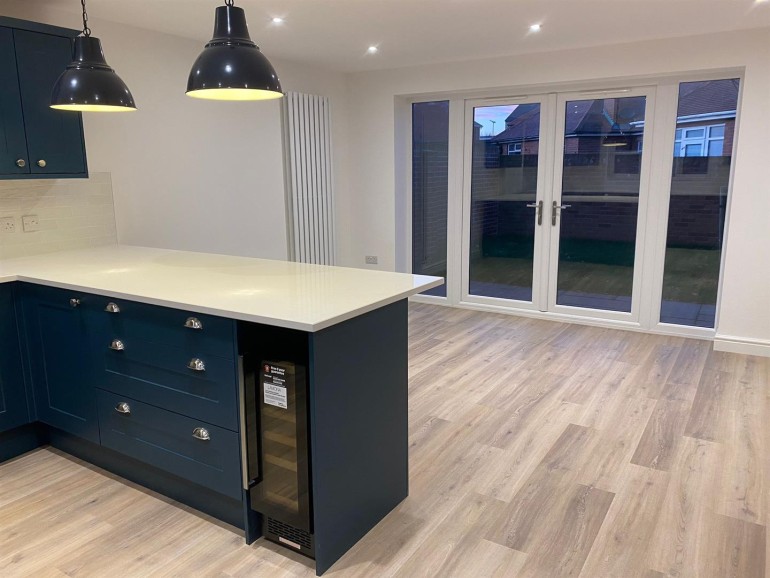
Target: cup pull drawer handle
[
  {"x": 117, "y": 345},
  {"x": 123, "y": 408},
  {"x": 201, "y": 433},
  {"x": 112, "y": 308},
  {"x": 196, "y": 364},
  {"x": 193, "y": 323}
]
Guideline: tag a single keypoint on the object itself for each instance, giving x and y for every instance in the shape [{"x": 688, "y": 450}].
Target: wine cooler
[{"x": 277, "y": 439}]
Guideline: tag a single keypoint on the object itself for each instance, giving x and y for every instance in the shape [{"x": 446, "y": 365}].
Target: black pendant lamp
[
  {"x": 231, "y": 66},
  {"x": 88, "y": 84}
]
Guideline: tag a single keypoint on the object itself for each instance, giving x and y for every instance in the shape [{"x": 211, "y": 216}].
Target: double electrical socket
[
  {"x": 29, "y": 223},
  {"x": 371, "y": 259}
]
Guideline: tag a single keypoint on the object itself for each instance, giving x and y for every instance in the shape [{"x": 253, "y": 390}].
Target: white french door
[{"x": 554, "y": 202}]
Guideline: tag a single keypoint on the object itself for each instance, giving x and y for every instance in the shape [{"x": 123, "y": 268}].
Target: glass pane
[
  {"x": 694, "y": 133},
  {"x": 717, "y": 131},
  {"x": 678, "y": 134},
  {"x": 502, "y": 242},
  {"x": 430, "y": 186},
  {"x": 697, "y": 208},
  {"x": 693, "y": 150},
  {"x": 600, "y": 192}
]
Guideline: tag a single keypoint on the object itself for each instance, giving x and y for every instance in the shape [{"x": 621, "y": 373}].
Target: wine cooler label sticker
[{"x": 276, "y": 395}]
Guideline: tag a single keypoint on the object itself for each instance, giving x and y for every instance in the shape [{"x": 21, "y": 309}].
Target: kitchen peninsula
[{"x": 269, "y": 394}]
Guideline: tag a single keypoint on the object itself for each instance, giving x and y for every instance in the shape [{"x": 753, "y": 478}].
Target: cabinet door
[
  {"x": 13, "y": 146},
  {"x": 54, "y": 137},
  {"x": 13, "y": 399},
  {"x": 61, "y": 362}
]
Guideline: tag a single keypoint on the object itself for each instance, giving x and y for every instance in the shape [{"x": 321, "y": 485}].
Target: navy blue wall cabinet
[
  {"x": 13, "y": 400},
  {"x": 61, "y": 358},
  {"x": 35, "y": 140}
]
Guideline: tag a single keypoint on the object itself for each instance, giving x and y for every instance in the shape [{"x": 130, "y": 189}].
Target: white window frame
[
  {"x": 512, "y": 148},
  {"x": 705, "y": 140}
]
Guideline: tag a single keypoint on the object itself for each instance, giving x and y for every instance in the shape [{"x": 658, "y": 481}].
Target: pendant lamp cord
[
  {"x": 86, "y": 29},
  {"x": 229, "y": 2}
]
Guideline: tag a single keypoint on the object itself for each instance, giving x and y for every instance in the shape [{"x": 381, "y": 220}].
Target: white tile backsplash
[{"x": 73, "y": 214}]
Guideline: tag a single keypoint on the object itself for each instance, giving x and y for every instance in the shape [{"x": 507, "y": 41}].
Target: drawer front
[
  {"x": 165, "y": 440},
  {"x": 161, "y": 375},
  {"x": 193, "y": 332}
]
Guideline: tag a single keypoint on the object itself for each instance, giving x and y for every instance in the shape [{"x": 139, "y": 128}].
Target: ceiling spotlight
[
  {"x": 277, "y": 20},
  {"x": 535, "y": 28},
  {"x": 372, "y": 49}
]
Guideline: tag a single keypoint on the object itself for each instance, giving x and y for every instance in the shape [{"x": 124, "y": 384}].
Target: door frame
[
  {"x": 544, "y": 183},
  {"x": 642, "y": 210}
]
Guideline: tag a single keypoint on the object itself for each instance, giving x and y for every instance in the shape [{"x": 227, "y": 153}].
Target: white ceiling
[{"x": 336, "y": 33}]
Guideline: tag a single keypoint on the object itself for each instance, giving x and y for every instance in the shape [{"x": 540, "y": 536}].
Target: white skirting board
[
  {"x": 307, "y": 125},
  {"x": 747, "y": 346}
]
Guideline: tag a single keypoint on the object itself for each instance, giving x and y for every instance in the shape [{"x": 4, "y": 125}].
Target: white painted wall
[
  {"x": 190, "y": 174},
  {"x": 369, "y": 227}
]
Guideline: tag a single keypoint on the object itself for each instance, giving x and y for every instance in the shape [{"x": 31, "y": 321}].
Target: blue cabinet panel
[
  {"x": 53, "y": 136},
  {"x": 13, "y": 400},
  {"x": 13, "y": 144},
  {"x": 165, "y": 440},
  {"x": 61, "y": 359},
  {"x": 159, "y": 374}
]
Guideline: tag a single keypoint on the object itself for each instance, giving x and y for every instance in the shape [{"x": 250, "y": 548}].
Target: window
[
  {"x": 700, "y": 141},
  {"x": 430, "y": 189},
  {"x": 514, "y": 148},
  {"x": 698, "y": 205}
]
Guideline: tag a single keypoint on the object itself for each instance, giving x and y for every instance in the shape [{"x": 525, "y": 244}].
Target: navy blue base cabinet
[
  {"x": 61, "y": 359},
  {"x": 178, "y": 402},
  {"x": 14, "y": 411},
  {"x": 36, "y": 141}
]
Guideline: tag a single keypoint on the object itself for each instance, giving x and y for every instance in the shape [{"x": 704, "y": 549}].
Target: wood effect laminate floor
[{"x": 538, "y": 449}]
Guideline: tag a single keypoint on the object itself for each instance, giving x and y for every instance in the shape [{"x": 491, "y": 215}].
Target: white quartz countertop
[{"x": 280, "y": 293}]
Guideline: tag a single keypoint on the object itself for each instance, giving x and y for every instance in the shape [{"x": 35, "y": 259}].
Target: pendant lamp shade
[
  {"x": 231, "y": 66},
  {"x": 88, "y": 84}
]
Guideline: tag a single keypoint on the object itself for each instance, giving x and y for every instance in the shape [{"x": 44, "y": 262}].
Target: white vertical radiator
[{"x": 309, "y": 178}]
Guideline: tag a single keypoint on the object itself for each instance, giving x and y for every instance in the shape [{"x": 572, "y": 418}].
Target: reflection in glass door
[
  {"x": 504, "y": 200},
  {"x": 594, "y": 214}
]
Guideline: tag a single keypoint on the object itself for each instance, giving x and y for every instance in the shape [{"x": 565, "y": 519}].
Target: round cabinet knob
[
  {"x": 201, "y": 433},
  {"x": 41, "y": 163},
  {"x": 123, "y": 408},
  {"x": 117, "y": 345},
  {"x": 21, "y": 163},
  {"x": 193, "y": 323},
  {"x": 196, "y": 364},
  {"x": 112, "y": 308},
  {"x": 74, "y": 302}
]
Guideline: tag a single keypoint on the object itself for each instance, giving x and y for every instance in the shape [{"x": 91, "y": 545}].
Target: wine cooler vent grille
[{"x": 296, "y": 535}]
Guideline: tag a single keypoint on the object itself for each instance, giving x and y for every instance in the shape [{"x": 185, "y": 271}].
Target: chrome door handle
[
  {"x": 193, "y": 323},
  {"x": 539, "y": 207},
  {"x": 112, "y": 308},
  {"x": 123, "y": 408},
  {"x": 201, "y": 433},
  {"x": 554, "y": 209},
  {"x": 74, "y": 302},
  {"x": 117, "y": 345},
  {"x": 196, "y": 364}
]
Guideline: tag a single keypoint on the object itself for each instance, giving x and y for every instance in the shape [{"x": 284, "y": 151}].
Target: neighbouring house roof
[
  {"x": 708, "y": 96},
  {"x": 589, "y": 117}
]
